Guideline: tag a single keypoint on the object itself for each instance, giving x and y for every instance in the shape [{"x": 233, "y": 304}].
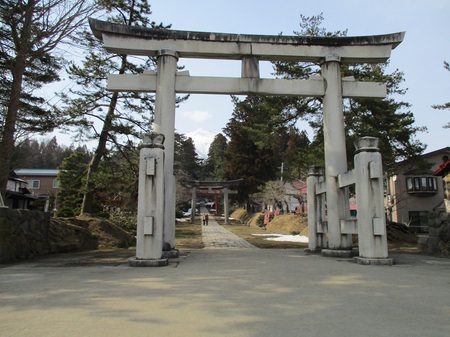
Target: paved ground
[
  {"x": 225, "y": 292},
  {"x": 215, "y": 236}
]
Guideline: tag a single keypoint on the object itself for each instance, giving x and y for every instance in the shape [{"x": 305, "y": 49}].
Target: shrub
[
  {"x": 125, "y": 220},
  {"x": 260, "y": 221}
]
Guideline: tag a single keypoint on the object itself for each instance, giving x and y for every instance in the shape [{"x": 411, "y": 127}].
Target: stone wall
[
  {"x": 438, "y": 239},
  {"x": 23, "y": 234}
]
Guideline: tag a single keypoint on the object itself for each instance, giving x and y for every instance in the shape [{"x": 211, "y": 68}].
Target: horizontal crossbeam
[
  {"x": 346, "y": 179},
  {"x": 128, "y": 40},
  {"x": 245, "y": 86},
  {"x": 212, "y": 184},
  {"x": 205, "y": 191}
]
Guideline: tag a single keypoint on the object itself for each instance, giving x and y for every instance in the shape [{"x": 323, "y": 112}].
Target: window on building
[
  {"x": 421, "y": 184},
  {"x": 34, "y": 184},
  {"x": 55, "y": 183},
  {"x": 418, "y": 221}
]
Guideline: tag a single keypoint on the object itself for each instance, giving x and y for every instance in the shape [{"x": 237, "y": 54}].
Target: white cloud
[{"x": 197, "y": 116}]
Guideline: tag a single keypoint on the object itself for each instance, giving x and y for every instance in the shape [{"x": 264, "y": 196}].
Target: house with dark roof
[
  {"x": 17, "y": 193},
  {"x": 444, "y": 172},
  {"x": 413, "y": 191},
  {"x": 42, "y": 183}
]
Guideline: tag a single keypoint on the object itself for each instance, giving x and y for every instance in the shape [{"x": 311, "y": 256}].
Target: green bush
[
  {"x": 125, "y": 220},
  {"x": 260, "y": 221}
]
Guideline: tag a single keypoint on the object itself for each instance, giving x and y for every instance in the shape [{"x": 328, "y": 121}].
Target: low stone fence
[
  {"x": 23, "y": 234},
  {"x": 438, "y": 239}
]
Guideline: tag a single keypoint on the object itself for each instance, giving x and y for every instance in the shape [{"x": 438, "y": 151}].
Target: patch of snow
[
  {"x": 285, "y": 238},
  {"x": 202, "y": 140}
]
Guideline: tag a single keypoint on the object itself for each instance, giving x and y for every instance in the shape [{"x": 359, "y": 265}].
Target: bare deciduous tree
[{"x": 30, "y": 32}]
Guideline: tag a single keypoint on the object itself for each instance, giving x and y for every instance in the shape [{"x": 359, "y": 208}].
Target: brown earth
[
  {"x": 86, "y": 233},
  {"x": 90, "y": 233},
  {"x": 400, "y": 237}
]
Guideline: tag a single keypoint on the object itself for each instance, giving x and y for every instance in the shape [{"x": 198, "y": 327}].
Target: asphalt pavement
[{"x": 225, "y": 290}]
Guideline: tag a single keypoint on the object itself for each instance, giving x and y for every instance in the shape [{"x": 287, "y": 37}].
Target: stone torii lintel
[
  {"x": 123, "y": 39},
  {"x": 186, "y": 84},
  {"x": 206, "y": 183}
]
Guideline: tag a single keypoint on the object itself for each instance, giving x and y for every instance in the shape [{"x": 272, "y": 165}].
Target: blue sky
[{"x": 420, "y": 56}]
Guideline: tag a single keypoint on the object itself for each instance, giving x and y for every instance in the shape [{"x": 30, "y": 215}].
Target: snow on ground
[{"x": 281, "y": 237}]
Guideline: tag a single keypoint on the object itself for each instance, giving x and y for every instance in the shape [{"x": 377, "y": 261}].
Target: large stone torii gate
[{"x": 170, "y": 45}]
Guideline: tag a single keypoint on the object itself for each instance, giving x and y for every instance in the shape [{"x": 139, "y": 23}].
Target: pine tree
[
  {"x": 30, "y": 32},
  {"x": 71, "y": 176},
  {"x": 257, "y": 137},
  {"x": 186, "y": 161},
  {"x": 388, "y": 119},
  {"x": 445, "y": 106},
  {"x": 122, "y": 115},
  {"x": 214, "y": 167}
]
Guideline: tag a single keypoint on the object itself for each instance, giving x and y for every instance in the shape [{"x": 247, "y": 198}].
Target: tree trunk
[
  {"x": 7, "y": 142},
  {"x": 88, "y": 197},
  {"x": 18, "y": 70},
  {"x": 94, "y": 164}
]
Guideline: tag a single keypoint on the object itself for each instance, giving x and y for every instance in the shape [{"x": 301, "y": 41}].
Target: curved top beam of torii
[{"x": 123, "y": 39}]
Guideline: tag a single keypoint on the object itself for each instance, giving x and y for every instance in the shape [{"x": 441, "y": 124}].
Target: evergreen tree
[
  {"x": 186, "y": 161},
  {"x": 214, "y": 167},
  {"x": 117, "y": 179},
  {"x": 122, "y": 115},
  {"x": 297, "y": 156},
  {"x": 30, "y": 32},
  {"x": 187, "y": 167},
  {"x": 71, "y": 176},
  {"x": 389, "y": 119},
  {"x": 31, "y": 153},
  {"x": 258, "y": 137},
  {"x": 263, "y": 137},
  {"x": 445, "y": 106}
]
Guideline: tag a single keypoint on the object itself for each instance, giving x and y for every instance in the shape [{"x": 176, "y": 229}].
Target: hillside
[{"x": 398, "y": 234}]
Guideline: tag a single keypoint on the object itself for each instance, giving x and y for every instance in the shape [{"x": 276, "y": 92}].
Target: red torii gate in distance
[{"x": 212, "y": 188}]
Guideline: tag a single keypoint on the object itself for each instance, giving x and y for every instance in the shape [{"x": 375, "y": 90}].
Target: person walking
[{"x": 205, "y": 219}]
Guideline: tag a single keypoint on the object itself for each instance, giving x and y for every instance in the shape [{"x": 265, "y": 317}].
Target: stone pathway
[{"x": 215, "y": 236}]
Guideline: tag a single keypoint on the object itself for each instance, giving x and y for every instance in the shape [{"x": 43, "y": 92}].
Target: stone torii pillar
[
  {"x": 372, "y": 234},
  {"x": 317, "y": 240},
  {"x": 193, "y": 204},
  {"x": 165, "y": 124},
  {"x": 226, "y": 208},
  {"x": 150, "y": 219},
  {"x": 335, "y": 157}
]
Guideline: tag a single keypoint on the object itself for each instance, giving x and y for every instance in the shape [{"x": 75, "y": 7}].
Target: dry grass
[
  {"x": 188, "y": 235},
  {"x": 246, "y": 232},
  {"x": 245, "y": 226}
]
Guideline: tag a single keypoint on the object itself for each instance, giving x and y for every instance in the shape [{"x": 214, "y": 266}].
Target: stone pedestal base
[
  {"x": 313, "y": 250},
  {"x": 372, "y": 261},
  {"x": 135, "y": 262},
  {"x": 171, "y": 254},
  {"x": 337, "y": 253}
]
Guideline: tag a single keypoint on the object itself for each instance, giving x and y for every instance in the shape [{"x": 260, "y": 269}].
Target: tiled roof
[
  {"x": 443, "y": 169},
  {"x": 37, "y": 172}
]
